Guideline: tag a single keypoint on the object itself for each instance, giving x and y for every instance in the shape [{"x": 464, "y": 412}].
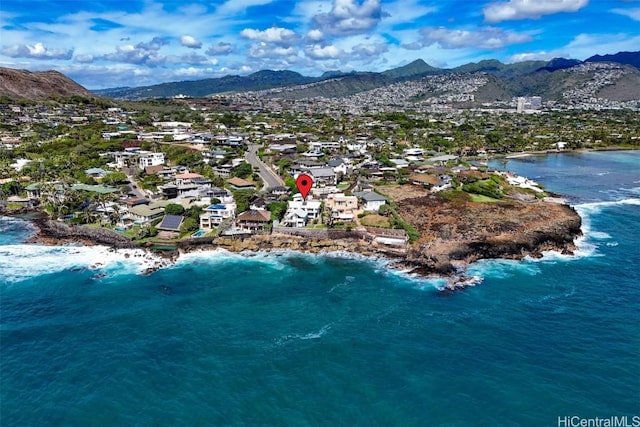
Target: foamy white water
[{"x": 20, "y": 262}]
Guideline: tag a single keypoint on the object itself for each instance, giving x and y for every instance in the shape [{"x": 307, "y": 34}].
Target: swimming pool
[{"x": 199, "y": 233}]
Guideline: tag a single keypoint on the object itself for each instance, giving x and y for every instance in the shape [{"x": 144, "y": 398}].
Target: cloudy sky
[{"x": 113, "y": 43}]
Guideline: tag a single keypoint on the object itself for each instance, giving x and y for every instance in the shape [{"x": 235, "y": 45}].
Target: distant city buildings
[{"x": 528, "y": 103}]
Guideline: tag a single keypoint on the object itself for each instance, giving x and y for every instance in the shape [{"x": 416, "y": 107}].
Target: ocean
[{"x": 287, "y": 339}]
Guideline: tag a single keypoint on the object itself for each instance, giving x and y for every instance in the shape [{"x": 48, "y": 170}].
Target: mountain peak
[
  {"x": 38, "y": 84},
  {"x": 414, "y": 68}
]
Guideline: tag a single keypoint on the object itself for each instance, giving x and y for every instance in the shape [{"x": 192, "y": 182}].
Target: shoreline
[{"x": 445, "y": 259}]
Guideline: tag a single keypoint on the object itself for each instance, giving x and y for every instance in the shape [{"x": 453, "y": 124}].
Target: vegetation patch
[
  {"x": 375, "y": 221},
  {"x": 14, "y": 206},
  {"x": 478, "y": 198},
  {"x": 491, "y": 188}
]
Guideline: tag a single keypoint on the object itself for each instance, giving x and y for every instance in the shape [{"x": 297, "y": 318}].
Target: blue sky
[{"x": 113, "y": 43}]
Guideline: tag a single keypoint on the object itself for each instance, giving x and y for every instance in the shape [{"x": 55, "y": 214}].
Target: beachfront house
[
  {"x": 214, "y": 215},
  {"x": 253, "y": 220},
  {"x": 342, "y": 207},
  {"x": 296, "y": 218}
]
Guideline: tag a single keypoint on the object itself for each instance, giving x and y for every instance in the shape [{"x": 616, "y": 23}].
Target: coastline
[{"x": 441, "y": 258}]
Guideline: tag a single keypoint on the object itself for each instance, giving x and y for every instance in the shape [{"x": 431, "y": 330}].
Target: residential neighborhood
[{"x": 231, "y": 171}]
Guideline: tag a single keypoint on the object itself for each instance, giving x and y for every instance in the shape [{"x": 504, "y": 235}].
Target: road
[
  {"x": 269, "y": 177},
  {"x": 134, "y": 185}
]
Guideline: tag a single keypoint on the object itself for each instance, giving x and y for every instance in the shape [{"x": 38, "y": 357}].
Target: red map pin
[{"x": 304, "y": 184}]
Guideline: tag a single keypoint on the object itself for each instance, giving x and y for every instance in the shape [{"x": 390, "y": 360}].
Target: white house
[
  {"x": 299, "y": 209},
  {"x": 372, "y": 201},
  {"x": 215, "y": 214},
  {"x": 148, "y": 158},
  {"x": 295, "y": 218}
]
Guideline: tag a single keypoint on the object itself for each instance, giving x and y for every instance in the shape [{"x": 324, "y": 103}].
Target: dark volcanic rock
[
  {"x": 466, "y": 232},
  {"x": 56, "y": 232}
]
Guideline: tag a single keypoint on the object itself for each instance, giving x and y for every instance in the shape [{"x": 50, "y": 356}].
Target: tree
[
  {"x": 243, "y": 199},
  {"x": 114, "y": 178},
  {"x": 277, "y": 209},
  {"x": 173, "y": 209},
  {"x": 189, "y": 225},
  {"x": 243, "y": 170}
]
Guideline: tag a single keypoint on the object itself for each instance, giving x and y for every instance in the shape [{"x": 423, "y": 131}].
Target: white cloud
[
  {"x": 221, "y": 48},
  {"x": 84, "y": 58},
  {"x": 529, "y": 9},
  {"x": 319, "y": 52},
  {"x": 276, "y": 35},
  {"x": 368, "y": 51},
  {"x": 531, "y": 56},
  {"x": 266, "y": 50},
  {"x": 190, "y": 42},
  {"x": 315, "y": 35},
  {"x": 191, "y": 59},
  {"x": 485, "y": 38},
  {"x": 348, "y": 17},
  {"x": 633, "y": 13},
  {"x": 35, "y": 51},
  {"x": 193, "y": 72},
  {"x": 144, "y": 53}
]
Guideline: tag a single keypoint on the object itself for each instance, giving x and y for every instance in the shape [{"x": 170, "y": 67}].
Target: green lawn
[
  {"x": 14, "y": 206},
  {"x": 478, "y": 198}
]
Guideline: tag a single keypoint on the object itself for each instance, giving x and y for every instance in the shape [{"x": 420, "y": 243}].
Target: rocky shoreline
[{"x": 451, "y": 239}]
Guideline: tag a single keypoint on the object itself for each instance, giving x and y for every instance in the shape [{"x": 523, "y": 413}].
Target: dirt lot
[{"x": 400, "y": 192}]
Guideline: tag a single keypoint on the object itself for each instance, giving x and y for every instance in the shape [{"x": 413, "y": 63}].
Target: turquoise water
[{"x": 290, "y": 339}]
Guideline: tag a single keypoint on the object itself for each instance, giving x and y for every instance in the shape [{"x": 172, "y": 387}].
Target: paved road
[
  {"x": 269, "y": 177},
  {"x": 134, "y": 185}
]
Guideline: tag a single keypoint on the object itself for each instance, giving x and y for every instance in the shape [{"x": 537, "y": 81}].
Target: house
[
  {"x": 100, "y": 189},
  {"x": 215, "y": 214},
  {"x": 253, "y": 220},
  {"x": 296, "y": 218},
  {"x": 442, "y": 159},
  {"x": 240, "y": 184},
  {"x": 33, "y": 191},
  {"x": 424, "y": 180},
  {"x": 280, "y": 191},
  {"x": 144, "y": 214},
  {"x": 310, "y": 207},
  {"x": 171, "y": 223},
  {"x": 323, "y": 176},
  {"x": 209, "y": 194},
  {"x": 342, "y": 207},
  {"x": 371, "y": 201},
  {"x": 96, "y": 172},
  {"x": 259, "y": 203}
]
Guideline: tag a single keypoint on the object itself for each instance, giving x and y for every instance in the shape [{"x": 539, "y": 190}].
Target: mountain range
[
  {"x": 545, "y": 78},
  {"x": 517, "y": 79}
]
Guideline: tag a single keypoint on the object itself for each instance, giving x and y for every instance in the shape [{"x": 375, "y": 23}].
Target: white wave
[
  {"x": 502, "y": 268},
  {"x": 286, "y": 339},
  {"x": 20, "y": 262},
  {"x": 596, "y": 207},
  {"x": 599, "y": 235},
  {"x": 587, "y": 243}
]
